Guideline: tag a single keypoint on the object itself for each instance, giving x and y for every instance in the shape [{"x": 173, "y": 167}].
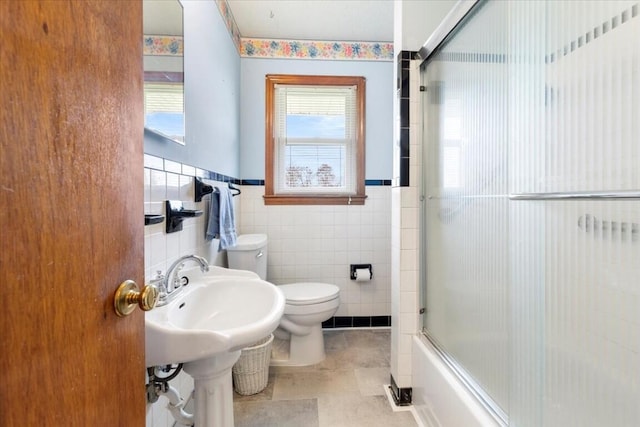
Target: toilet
[{"x": 307, "y": 304}]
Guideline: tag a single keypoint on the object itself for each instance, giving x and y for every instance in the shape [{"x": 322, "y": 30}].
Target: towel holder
[
  {"x": 234, "y": 190},
  {"x": 202, "y": 189}
]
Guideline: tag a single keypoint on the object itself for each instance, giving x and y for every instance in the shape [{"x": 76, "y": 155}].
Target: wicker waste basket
[{"x": 251, "y": 371}]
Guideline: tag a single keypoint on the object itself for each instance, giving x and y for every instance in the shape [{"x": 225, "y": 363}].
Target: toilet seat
[{"x": 309, "y": 293}]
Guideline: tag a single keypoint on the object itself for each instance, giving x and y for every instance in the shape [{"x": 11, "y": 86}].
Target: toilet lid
[{"x": 309, "y": 293}]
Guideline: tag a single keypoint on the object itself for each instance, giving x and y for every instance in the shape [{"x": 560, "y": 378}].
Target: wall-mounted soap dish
[
  {"x": 153, "y": 219},
  {"x": 176, "y": 213}
]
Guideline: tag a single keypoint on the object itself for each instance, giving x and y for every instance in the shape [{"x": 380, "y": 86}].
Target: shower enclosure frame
[{"x": 463, "y": 10}]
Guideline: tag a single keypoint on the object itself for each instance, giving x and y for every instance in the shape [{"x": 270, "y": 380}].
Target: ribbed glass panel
[
  {"x": 592, "y": 276},
  {"x": 592, "y": 80},
  {"x": 537, "y": 301},
  {"x": 467, "y": 217},
  {"x": 528, "y": 95},
  {"x": 592, "y": 305}
]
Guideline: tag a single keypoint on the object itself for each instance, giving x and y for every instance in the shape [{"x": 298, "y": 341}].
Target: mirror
[{"x": 163, "y": 69}]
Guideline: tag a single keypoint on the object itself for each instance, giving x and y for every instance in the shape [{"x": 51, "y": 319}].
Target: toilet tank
[{"x": 249, "y": 253}]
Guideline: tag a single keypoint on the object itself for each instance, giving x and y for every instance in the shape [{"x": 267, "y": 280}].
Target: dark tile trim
[
  {"x": 357, "y": 322},
  {"x": 404, "y": 171},
  {"x": 404, "y": 142},
  {"x": 165, "y": 165},
  {"x": 404, "y": 113},
  {"x": 361, "y": 321},
  {"x": 401, "y": 396},
  {"x": 343, "y": 322},
  {"x": 252, "y": 182},
  {"x": 380, "y": 321},
  {"x": 403, "y": 85},
  {"x": 367, "y": 182},
  {"x": 328, "y": 324},
  {"x": 158, "y": 163},
  {"x": 377, "y": 182}
]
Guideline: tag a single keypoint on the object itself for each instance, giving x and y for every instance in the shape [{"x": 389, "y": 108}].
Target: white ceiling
[
  {"x": 161, "y": 17},
  {"x": 322, "y": 20}
]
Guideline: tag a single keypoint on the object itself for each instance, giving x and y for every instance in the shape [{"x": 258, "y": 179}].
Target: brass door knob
[{"x": 129, "y": 295}]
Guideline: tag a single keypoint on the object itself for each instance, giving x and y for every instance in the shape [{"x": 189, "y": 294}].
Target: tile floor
[{"x": 345, "y": 390}]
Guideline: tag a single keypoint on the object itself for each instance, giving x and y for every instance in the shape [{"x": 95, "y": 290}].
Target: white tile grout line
[{"x": 396, "y": 408}]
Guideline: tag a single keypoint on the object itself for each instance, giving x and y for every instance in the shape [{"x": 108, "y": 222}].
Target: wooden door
[{"x": 71, "y": 207}]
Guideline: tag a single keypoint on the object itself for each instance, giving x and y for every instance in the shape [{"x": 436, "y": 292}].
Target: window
[
  {"x": 164, "y": 103},
  {"x": 314, "y": 140}
]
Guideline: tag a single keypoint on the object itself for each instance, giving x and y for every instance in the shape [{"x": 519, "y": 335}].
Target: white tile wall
[
  {"x": 405, "y": 239},
  {"x": 306, "y": 243},
  {"x": 318, "y": 243},
  {"x": 161, "y": 249}
]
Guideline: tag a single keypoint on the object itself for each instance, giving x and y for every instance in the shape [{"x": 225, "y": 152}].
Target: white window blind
[{"x": 315, "y": 134}]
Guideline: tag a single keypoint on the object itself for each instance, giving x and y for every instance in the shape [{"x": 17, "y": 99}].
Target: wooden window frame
[{"x": 270, "y": 196}]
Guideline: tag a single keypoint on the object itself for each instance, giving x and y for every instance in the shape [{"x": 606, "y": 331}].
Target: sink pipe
[
  {"x": 176, "y": 407},
  {"x": 158, "y": 385}
]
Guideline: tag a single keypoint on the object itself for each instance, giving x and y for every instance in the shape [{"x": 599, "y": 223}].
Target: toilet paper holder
[{"x": 354, "y": 267}]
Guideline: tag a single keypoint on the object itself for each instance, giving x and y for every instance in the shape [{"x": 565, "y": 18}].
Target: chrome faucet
[{"x": 172, "y": 281}]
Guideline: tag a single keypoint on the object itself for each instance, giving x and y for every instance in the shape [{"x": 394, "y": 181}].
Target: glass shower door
[
  {"x": 532, "y": 209},
  {"x": 467, "y": 218}
]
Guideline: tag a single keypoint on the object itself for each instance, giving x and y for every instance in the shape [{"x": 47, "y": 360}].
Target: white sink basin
[
  {"x": 215, "y": 273},
  {"x": 220, "y": 311}
]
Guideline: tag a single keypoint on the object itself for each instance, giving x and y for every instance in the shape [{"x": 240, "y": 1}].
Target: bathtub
[{"x": 440, "y": 399}]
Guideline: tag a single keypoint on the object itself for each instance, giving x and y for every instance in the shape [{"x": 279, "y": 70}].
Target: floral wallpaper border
[
  {"x": 293, "y": 49},
  {"x": 271, "y": 48},
  {"x": 163, "y": 45},
  {"x": 331, "y": 50},
  {"x": 229, "y": 21}
]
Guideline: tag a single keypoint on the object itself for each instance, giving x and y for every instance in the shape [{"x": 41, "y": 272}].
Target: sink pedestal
[{"x": 213, "y": 396}]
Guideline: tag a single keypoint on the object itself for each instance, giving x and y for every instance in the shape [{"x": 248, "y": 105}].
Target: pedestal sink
[{"x": 205, "y": 326}]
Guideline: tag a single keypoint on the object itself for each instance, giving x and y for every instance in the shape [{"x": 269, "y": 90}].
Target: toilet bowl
[{"x": 307, "y": 304}]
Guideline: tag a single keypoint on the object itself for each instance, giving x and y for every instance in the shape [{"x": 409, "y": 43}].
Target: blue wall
[
  {"x": 224, "y": 101},
  {"x": 379, "y": 109},
  {"x": 212, "y": 95}
]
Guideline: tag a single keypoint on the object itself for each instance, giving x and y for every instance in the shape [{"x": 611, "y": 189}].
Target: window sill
[{"x": 314, "y": 199}]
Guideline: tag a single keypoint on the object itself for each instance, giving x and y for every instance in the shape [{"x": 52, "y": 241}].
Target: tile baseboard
[{"x": 357, "y": 322}]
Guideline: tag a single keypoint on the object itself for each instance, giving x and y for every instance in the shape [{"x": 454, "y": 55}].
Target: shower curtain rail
[
  {"x": 579, "y": 195},
  {"x": 453, "y": 18}
]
